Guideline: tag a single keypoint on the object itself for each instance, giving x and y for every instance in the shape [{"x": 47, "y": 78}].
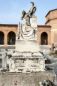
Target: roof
[
  {"x": 50, "y": 11},
  {"x": 15, "y": 25},
  {"x": 48, "y": 26}
]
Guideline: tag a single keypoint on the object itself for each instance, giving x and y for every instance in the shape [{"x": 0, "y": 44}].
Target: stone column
[
  {"x": 5, "y": 39},
  {"x": 4, "y": 60}
]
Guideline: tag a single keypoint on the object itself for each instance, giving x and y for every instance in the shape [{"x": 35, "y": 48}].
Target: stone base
[
  {"x": 27, "y": 46},
  {"x": 24, "y": 79}
]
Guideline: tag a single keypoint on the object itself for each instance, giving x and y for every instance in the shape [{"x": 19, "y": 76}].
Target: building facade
[
  {"x": 7, "y": 34},
  {"x": 48, "y": 32}
]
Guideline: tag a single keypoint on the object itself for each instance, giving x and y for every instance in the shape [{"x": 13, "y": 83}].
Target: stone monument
[
  {"x": 27, "y": 31},
  {"x": 27, "y": 56}
]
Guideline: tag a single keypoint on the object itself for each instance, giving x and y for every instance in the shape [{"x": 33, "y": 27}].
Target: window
[
  {"x": 44, "y": 38},
  {"x": 1, "y": 38},
  {"x": 11, "y": 38}
]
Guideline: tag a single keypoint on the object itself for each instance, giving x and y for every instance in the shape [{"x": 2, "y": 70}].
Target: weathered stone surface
[{"x": 24, "y": 79}]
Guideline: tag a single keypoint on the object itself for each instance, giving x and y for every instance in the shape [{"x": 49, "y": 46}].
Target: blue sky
[{"x": 10, "y": 10}]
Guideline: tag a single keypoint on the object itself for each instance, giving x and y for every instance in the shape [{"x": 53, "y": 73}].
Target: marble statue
[
  {"x": 27, "y": 31},
  {"x": 29, "y": 14}
]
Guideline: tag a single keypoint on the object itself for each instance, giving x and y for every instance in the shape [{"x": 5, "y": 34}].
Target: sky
[{"x": 11, "y": 10}]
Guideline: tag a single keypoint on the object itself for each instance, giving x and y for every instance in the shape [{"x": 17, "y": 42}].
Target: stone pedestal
[
  {"x": 28, "y": 62},
  {"x": 26, "y": 45}
]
